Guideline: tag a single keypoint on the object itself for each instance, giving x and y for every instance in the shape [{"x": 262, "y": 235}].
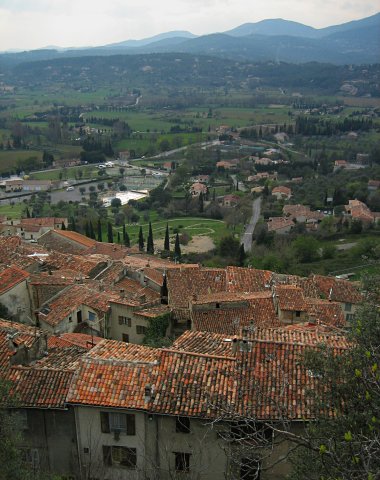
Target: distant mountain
[
  {"x": 149, "y": 40},
  {"x": 276, "y": 26},
  {"x": 277, "y": 40},
  {"x": 280, "y": 27}
]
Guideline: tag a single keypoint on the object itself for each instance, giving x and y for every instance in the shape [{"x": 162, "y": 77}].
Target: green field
[
  {"x": 191, "y": 225},
  {"x": 12, "y": 211}
]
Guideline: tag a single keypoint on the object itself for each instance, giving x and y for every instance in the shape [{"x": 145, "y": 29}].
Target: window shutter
[
  {"x": 104, "y": 422},
  {"x": 107, "y": 458},
  {"x": 131, "y": 426}
]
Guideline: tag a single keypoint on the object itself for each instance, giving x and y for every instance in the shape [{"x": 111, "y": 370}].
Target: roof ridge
[{"x": 195, "y": 354}]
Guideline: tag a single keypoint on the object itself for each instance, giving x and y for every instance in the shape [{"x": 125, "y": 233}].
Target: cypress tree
[
  {"x": 118, "y": 237},
  {"x": 126, "y": 240},
  {"x": 72, "y": 225},
  {"x": 87, "y": 230},
  {"x": 200, "y": 203},
  {"x": 241, "y": 255},
  {"x": 167, "y": 240},
  {"x": 149, "y": 243},
  {"x": 141, "y": 239},
  {"x": 91, "y": 231},
  {"x": 63, "y": 226},
  {"x": 177, "y": 248},
  {"x": 100, "y": 238},
  {"x": 27, "y": 213},
  {"x": 109, "y": 233}
]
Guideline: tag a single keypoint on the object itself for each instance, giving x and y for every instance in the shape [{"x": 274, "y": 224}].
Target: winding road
[{"x": 246, "y": 238}]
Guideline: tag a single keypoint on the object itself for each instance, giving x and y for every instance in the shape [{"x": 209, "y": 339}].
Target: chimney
[
  {"x": 234, "y": 345},
  {"x": 149, "y": 393},
  {"x": 122, "y": 293},
  {"x": 143, "y": 298}
]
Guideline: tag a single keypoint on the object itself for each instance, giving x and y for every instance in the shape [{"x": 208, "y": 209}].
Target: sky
[{"x": 30, "y": 24}]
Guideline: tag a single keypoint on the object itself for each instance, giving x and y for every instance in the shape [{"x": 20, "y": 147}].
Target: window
[
  {"x": 298, "y": 313},
  {"x": 20, "y": 418},
  {"x": 217, "y": 305},
  {"x": 125, "y": 337},
  {"x": 350, "y": 317},
  {"x": 250, "y": 469},
  {"x": 70, "y": 319},
  {"x": 182, "y": 424},
  {"x": 118, "y": 423},
  {"x": 91, "y": 316},
  {"x": 182, "y": 461},
  {"x": 119, "y": 456},
  {"x": 347, "y": 307},
  {"x": 140, "y": 329},
  {"x": 31, "y": 457},
  {"x": 125, "y": 321}
]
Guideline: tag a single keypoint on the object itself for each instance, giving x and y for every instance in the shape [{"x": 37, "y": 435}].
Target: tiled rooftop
[
  {"x": 40, "y": 388},
  {"x": 69, "y": 300},
  {"x": 254, "y": 310},
  {"x": 290, "y": 297},
  {"x": 337, "y": 290},
  {"x": 74, "y": 339}
]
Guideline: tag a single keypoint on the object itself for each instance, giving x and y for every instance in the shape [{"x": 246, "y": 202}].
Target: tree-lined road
[{"x": 246, "y": 238}]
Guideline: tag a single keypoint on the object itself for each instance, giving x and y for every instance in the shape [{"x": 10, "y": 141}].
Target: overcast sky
[{"x": 29, "y": 24}]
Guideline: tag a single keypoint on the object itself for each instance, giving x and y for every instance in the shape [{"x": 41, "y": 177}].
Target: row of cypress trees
[{"x": 124, "y": 238}]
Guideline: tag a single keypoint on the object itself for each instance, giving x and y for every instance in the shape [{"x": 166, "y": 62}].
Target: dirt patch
[{"x": 198, "y": 244}]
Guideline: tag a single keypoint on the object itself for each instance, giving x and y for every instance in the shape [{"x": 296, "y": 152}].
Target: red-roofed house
[
  {"x": 197, "y": 188},
  {"x": 282, "y": 192},
  {"x": 14, "y": 294}
]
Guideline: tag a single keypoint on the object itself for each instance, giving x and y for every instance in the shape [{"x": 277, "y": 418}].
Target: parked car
[
  {"x": 102, "y": 166},
  {"x": 109, "y": 164},
  {"x": 69, "y": 189}
]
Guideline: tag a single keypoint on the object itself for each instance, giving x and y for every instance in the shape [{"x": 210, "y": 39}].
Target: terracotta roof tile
[
  {"x": 40, "y": 388},
  {"x": 10, "y": 277},
  {"x": 334, "y": 289},
  {"x": 227, "y": 315},
  {"x": 77, "y": 339},
  {"x": 290, "y": 297}
]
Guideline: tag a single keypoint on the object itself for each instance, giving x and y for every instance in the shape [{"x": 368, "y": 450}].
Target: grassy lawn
[
  {"x": 89, "y": 171},
  {"x": 12, "y": 211},
  {"x": 190, "y": 225},
  {"x": 9, "y": 158}
]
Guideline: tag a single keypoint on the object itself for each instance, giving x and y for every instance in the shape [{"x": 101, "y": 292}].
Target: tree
[
  {"x": 126, "y": 239},
  {"x": 347, "y": 444},
  {"x": 116, "y": 203},
  {"x": 63, "y": 226},
  {"x": 241, "y": 255},
  {"x": 100, "y": 237},
  {"x": 141, "y": 239},
  {"x": 177, "y": 248},
  {"x": 91, "y": 230},
  {"x": 167, "y": 239},
  {"x": 306, "y": 248},
  {"x": 109, "y": 233},
  {"x": 149, "y": 243},
  {"x": 200, "y": 203},
  {"x": 229, "y": 246}
]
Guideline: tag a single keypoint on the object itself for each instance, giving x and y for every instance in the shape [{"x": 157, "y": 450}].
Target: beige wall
[
  {"x": 18, "y": 303},
  {"x": 116, "y": 331},
  {"x": 90, "y": 437},
  {"x": 290, "y": 317},
  {"x": 156, "y": 442}
]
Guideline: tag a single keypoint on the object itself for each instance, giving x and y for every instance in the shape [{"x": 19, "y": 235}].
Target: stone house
[
  {"x": 14, "y": 293},
  {"x": 282, "y": 192}
]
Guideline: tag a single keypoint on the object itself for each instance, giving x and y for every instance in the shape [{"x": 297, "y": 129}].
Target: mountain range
[{"x": 356, "y": 42}]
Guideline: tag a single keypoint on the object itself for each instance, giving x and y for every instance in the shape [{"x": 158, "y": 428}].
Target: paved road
[{"x": 246, "y": 238}]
